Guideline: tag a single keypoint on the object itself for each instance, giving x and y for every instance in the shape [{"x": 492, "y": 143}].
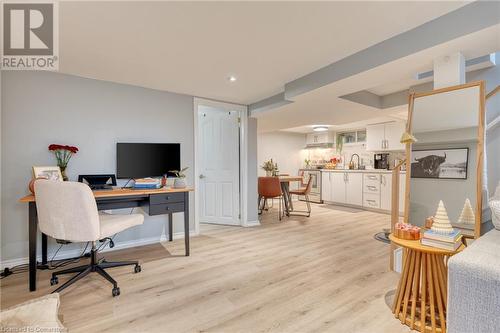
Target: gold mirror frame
[{"x": 479, "y": 155}]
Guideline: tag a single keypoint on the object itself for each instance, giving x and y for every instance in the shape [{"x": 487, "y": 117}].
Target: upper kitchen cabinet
[
  {"x": 320, "y": 139},
  {"x": 385, "y": 137}
]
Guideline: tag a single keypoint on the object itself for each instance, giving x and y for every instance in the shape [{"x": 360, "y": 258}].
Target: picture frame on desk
[{"x": 47, "y": 172}]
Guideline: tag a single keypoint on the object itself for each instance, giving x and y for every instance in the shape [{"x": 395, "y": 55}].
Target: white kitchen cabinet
[
  {"x": 393, "y": 133},
  {"x": 326, "y": 186},
  {"x": 386, "y": 191},
  {"x": 385, "y": 137},
  {"x": 375, "y": 136},
  {"x": 371, "y": 200},
  {"x": 342, "y": 187},
  {"x": 354, "y": 188},
  {"x": 339, "y": 187},
  {"x": 320, "y": 138},
  {"x": 363, "y": 189}
]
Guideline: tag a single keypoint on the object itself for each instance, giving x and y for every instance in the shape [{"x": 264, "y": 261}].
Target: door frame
[{"x": 243, "y": 142}]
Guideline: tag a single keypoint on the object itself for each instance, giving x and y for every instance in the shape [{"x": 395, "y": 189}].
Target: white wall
[
  {"x": 284, "y": 148},
  {"x": 252, "y": 164},
  {"x": 40, "y": 108},
  {"x": 492, "y": 78}
]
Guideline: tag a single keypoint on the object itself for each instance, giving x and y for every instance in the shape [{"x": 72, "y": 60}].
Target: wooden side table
[{"x": 420, "y": 300}]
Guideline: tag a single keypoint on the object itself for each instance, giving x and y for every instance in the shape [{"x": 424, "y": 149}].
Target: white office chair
[{"x": 68, "y": 211}]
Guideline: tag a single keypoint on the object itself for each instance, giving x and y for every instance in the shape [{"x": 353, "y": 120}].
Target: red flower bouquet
[{"x": 63, "y": 154}]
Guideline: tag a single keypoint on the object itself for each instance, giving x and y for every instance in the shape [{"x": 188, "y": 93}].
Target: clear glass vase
[{"x": 63, "y": 173}]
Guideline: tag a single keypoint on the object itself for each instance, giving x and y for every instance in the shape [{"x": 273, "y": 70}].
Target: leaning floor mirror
[{"x": 446, "y": 161}]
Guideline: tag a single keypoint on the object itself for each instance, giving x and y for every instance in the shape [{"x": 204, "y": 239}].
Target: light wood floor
[{"x": 322, "y": 274}]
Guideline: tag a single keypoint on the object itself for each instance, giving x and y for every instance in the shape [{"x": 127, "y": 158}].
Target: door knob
[{"x": 202, "y": 176}]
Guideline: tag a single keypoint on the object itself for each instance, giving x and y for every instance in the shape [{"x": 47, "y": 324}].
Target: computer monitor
[{"x": 138, "y": 160}]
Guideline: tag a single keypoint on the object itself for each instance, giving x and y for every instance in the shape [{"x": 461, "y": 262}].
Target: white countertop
[{"x": 362, "y": 171}]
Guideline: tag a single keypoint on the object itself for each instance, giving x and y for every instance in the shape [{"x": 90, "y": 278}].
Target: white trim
[
  {"x": 118, "y": 246},
  {"x": 255, "y": 223},
  {"x": 243, "y": 111},
  {"x": 494, "y": 123}
]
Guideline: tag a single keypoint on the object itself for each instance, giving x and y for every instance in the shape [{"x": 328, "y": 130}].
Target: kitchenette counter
[
  {"x": 359, "y": 171},
  {"x": 368, "y": 189}
]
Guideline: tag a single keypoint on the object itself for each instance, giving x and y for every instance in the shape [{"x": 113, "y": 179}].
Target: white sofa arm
[{"x": 474, "y": 287}]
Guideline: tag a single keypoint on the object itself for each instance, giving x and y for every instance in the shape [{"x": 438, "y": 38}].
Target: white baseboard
[
  {"x": 252, "y": 223},
  {"x": 76, "y": 252}
]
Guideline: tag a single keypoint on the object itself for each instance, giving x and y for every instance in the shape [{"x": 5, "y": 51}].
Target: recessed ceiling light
[
  {"x": 231, "y": 78},
  {"x": 320, "y": 128}
]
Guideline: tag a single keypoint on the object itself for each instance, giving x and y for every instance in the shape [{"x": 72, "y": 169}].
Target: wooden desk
[
  {"x": 285, "y": 188},
  {"x": 154, "y": 202},
  {"x": 421, "y": 298}
]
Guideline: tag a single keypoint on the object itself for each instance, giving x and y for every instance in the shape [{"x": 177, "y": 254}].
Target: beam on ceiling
[{"x": 468, "y": 19}]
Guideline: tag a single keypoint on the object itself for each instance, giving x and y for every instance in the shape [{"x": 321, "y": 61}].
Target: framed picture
[
  {"x": 47, "y": 172},
  {"x": 440, "y": 163}
]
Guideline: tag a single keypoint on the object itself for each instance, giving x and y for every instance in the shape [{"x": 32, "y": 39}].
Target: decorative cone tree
[
  {"x": 467, "y": 216},
  {"x": 441, "y": 223}
]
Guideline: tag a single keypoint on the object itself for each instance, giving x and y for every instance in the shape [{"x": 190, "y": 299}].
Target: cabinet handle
[
  {"x": 386, "y": 144},
  {"x": 372, "y": 177},
  {"x": 371, "y": 187},
  {"x": 371, "y": 202}
]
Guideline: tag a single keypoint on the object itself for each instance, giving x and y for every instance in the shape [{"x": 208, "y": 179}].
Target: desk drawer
[
  {"x": 163, "y": 198},
  {"x": 166, "y": 208}
]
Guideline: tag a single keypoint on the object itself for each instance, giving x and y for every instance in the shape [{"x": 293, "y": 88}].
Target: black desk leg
[
  {"x": 186, "y": 222},
  {"x": 44, "y": 250},
  {"x": 170, "y": 228},
  {"x": 32, "y": 244}
]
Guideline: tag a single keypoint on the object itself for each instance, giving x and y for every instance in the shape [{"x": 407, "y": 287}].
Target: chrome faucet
[{"x": 351, "y": 163}]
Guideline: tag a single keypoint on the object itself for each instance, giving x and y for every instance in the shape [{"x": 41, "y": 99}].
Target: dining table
[{"x": 285, "y": 189}]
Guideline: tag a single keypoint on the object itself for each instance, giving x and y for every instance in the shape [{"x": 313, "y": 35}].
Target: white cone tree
[
  {"x": 467, "y": 216},
  {"x": 441, "y": 223}
]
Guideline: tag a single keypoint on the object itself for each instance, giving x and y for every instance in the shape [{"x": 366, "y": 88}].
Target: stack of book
[
  {"x": 449, "y": 241},
  {"x": 147, "y": 183}
]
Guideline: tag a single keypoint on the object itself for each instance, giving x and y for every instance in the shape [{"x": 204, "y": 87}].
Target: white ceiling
[
  {"x": 191, "y": 48},
  {"x": 323, "y": 105}
]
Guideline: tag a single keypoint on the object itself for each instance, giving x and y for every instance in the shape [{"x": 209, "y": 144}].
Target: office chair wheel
[
  {"x": 115, "y": 291},
  {"x": 54, "y": 280},
  {"x": 137, "y": 268}
]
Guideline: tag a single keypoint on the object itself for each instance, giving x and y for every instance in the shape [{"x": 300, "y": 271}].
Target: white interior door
[{"x": 219, "y": 188}]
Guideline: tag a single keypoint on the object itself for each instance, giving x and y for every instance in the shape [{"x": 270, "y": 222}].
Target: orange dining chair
[
  {"x": 269, "y": 188},
  {"x": 304, "y": 192}
]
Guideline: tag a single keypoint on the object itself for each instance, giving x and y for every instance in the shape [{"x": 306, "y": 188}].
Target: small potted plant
[
  {"x": 180, "y": 181},
  {"x": 269, "y": 167},
  {"x": 63, "y": 155}
]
